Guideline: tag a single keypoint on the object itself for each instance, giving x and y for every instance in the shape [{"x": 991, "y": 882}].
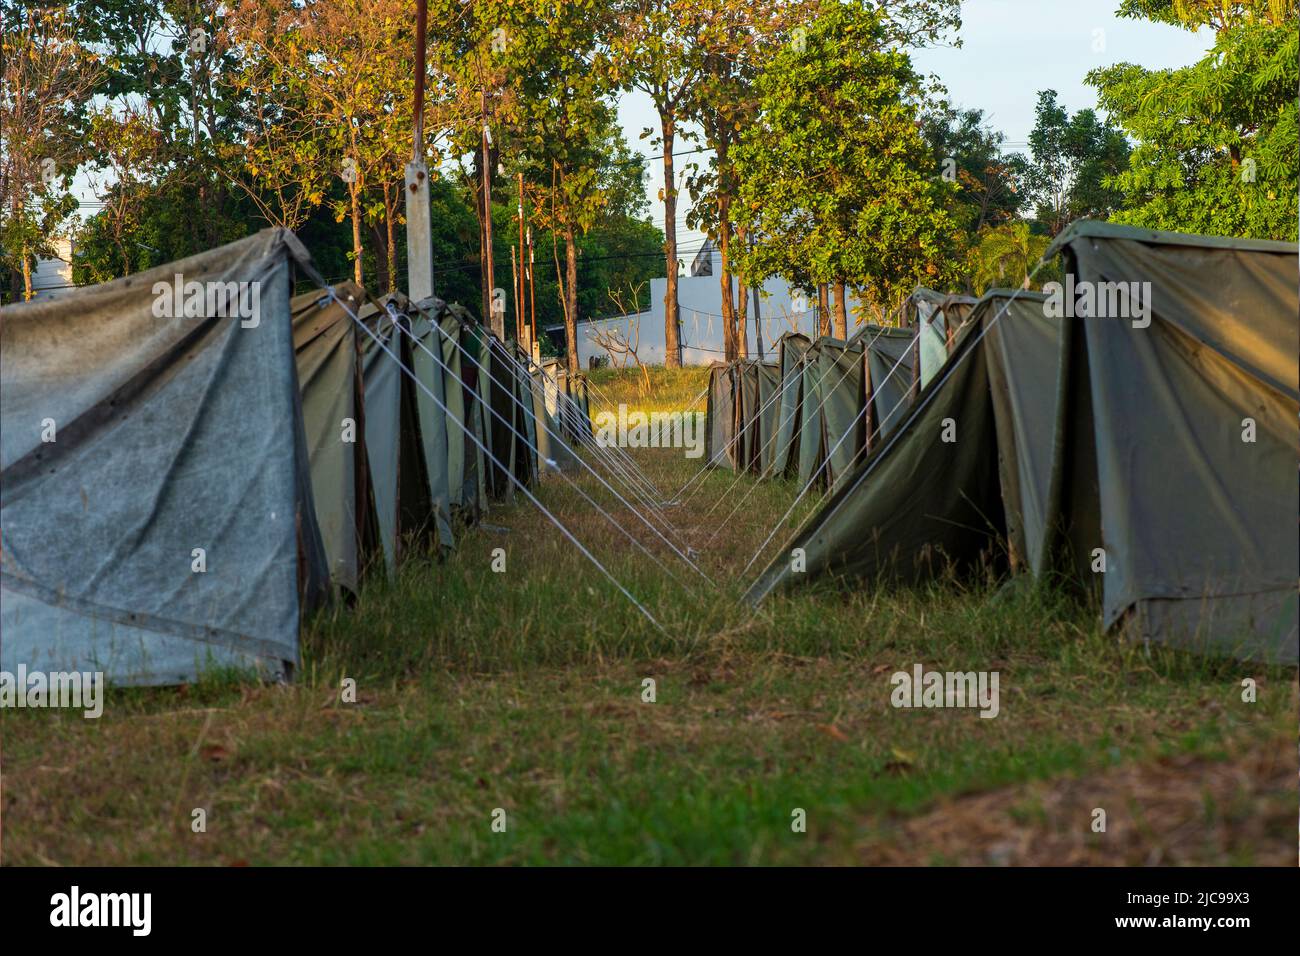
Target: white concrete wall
[
  {"x": 55, "y": 274},
  {"x": 700, "y": 303}
]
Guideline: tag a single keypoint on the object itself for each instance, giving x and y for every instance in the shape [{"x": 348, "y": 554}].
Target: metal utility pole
[
  {"x": 419, "y": 225},
  {"x": 498, "y": 317},
  {"x": 515, "y": 262},
  {"x": 533, "y": 344},
  {"x": 521, "y": 314}
]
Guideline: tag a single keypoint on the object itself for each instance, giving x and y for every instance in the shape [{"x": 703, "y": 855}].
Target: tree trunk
[
  {"x": 672, "y": 341},
  {"x": 841, "y": 311},
  {"x": 823, "y": 310},
  {"x": 742, "y": 306},
  {"x": 571, "y": 298},
  {"x": 390, "y": 212},
  {"x": 382, "y": 272},
  {"x": 728, "y": 305},
  {"x": 354, "y": 189}
]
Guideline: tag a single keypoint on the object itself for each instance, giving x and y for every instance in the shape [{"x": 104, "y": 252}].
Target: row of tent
[
  {"x": 1145, "y": 455},
  {"x": 180, "y": 485},
  {"x": 824, "y": 404}
]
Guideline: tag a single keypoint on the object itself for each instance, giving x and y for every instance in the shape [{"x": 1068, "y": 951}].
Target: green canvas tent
[
  {"x": 395, "y": 445},
  {"x": 791, "y": 349},
  {"x": 935, "y": 318},
  {"x": 769, "y": 411},
  {"x": 833, "y": 428},
  {"x": 738, "y": 426},
  {"x": 510, "y": 422},
  {"x": 1150, "y": 459},
  {"x": 157, "y": 508},
  {"x": 720, "y": 417},
  {"x": 1176, "y": 441},
  {"x": 330, "y": 382},
  {"x": 891, "y": 375}
]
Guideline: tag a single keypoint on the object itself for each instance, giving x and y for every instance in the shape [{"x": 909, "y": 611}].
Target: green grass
[{"x": 523, "y": 691}]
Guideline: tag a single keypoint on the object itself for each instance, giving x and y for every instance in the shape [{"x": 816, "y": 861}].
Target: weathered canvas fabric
[
  {"x": 833, "y": 430},
  {"x": 329, "y": 379},
  {"x": 1163, "y": 442},
  {"x": 720, "y": 432},
  {"x": 785, "y": 446},
  {"x": 890, "y": 365},
  {"x": 174, "y": 432},
  {"x": 1196, "y": 506}
]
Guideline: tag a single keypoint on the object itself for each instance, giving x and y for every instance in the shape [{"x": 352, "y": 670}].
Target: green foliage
[
  {"x": 1218, "y": 141},
  {"x": 1074, "y": 158},
  {"x": 990, "y": 186},
  {"x": 836, "y": 182}
]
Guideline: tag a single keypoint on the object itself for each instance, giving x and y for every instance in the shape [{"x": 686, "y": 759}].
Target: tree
[
  {"x": 349, "y": 91},
  {"x": 990, "y": 185},
  {"x": 653, "y": 49},
  {"x": 1004, "y": 255},
  {"x": 48, "y": 77},
  {"x": 1218, "y": 142},
  {"x": 836, "y": 183},
  {"x": 1074, "y": 158},
  {"x": 731, "y": 47}
]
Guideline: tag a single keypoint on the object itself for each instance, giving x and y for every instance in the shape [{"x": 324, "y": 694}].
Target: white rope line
[
  {"x": 472, "y": 437},
  {"x": 524, "y": 438},
  {"x": 657, "y": 495},
  {"x": 610, "y": 465},
  {"x": 812, "y": 479},
  {"x": 625, "y": 467},
  {"x": 528, "y": 411},
  {"x": 897, "y": 433},
  {"x": 866, "y": 354}
]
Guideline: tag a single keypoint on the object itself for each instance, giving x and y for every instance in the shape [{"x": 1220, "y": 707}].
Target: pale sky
[{"x": 1011, "y": 50}]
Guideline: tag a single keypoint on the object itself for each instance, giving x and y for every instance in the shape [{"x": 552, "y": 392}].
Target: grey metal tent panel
[{"x": 174, "y": 433}]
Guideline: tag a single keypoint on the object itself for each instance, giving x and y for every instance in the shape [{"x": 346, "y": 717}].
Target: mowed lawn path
[{"x": 521, "y": 697}]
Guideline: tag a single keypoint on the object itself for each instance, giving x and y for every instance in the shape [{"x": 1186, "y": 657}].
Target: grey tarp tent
[
  {"x": 769, "y": 411},
  {"x": 511, "y": 424},
  {"x": 550, "y": 411},
  {"x": 745, "y": 377},
  {"x": 394, "y": 442},
  {"x": 891, "y": 373},
  {"x": 833, "y": 428},
  {"x": 785, "y": 445},
  {"x": 917, "y": 501},
  {"x": 1176, "y": 444},
  {"x": 735, "y": 418},
  {"x": 466, "y": 474},
  {"x": 157, "y": 509},
  {"x": 720, "y": 417},
  {"x": 1170, "y": 446},
  {"x": 935, "y": 318},
  {"x": 329, "y": 378}
]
